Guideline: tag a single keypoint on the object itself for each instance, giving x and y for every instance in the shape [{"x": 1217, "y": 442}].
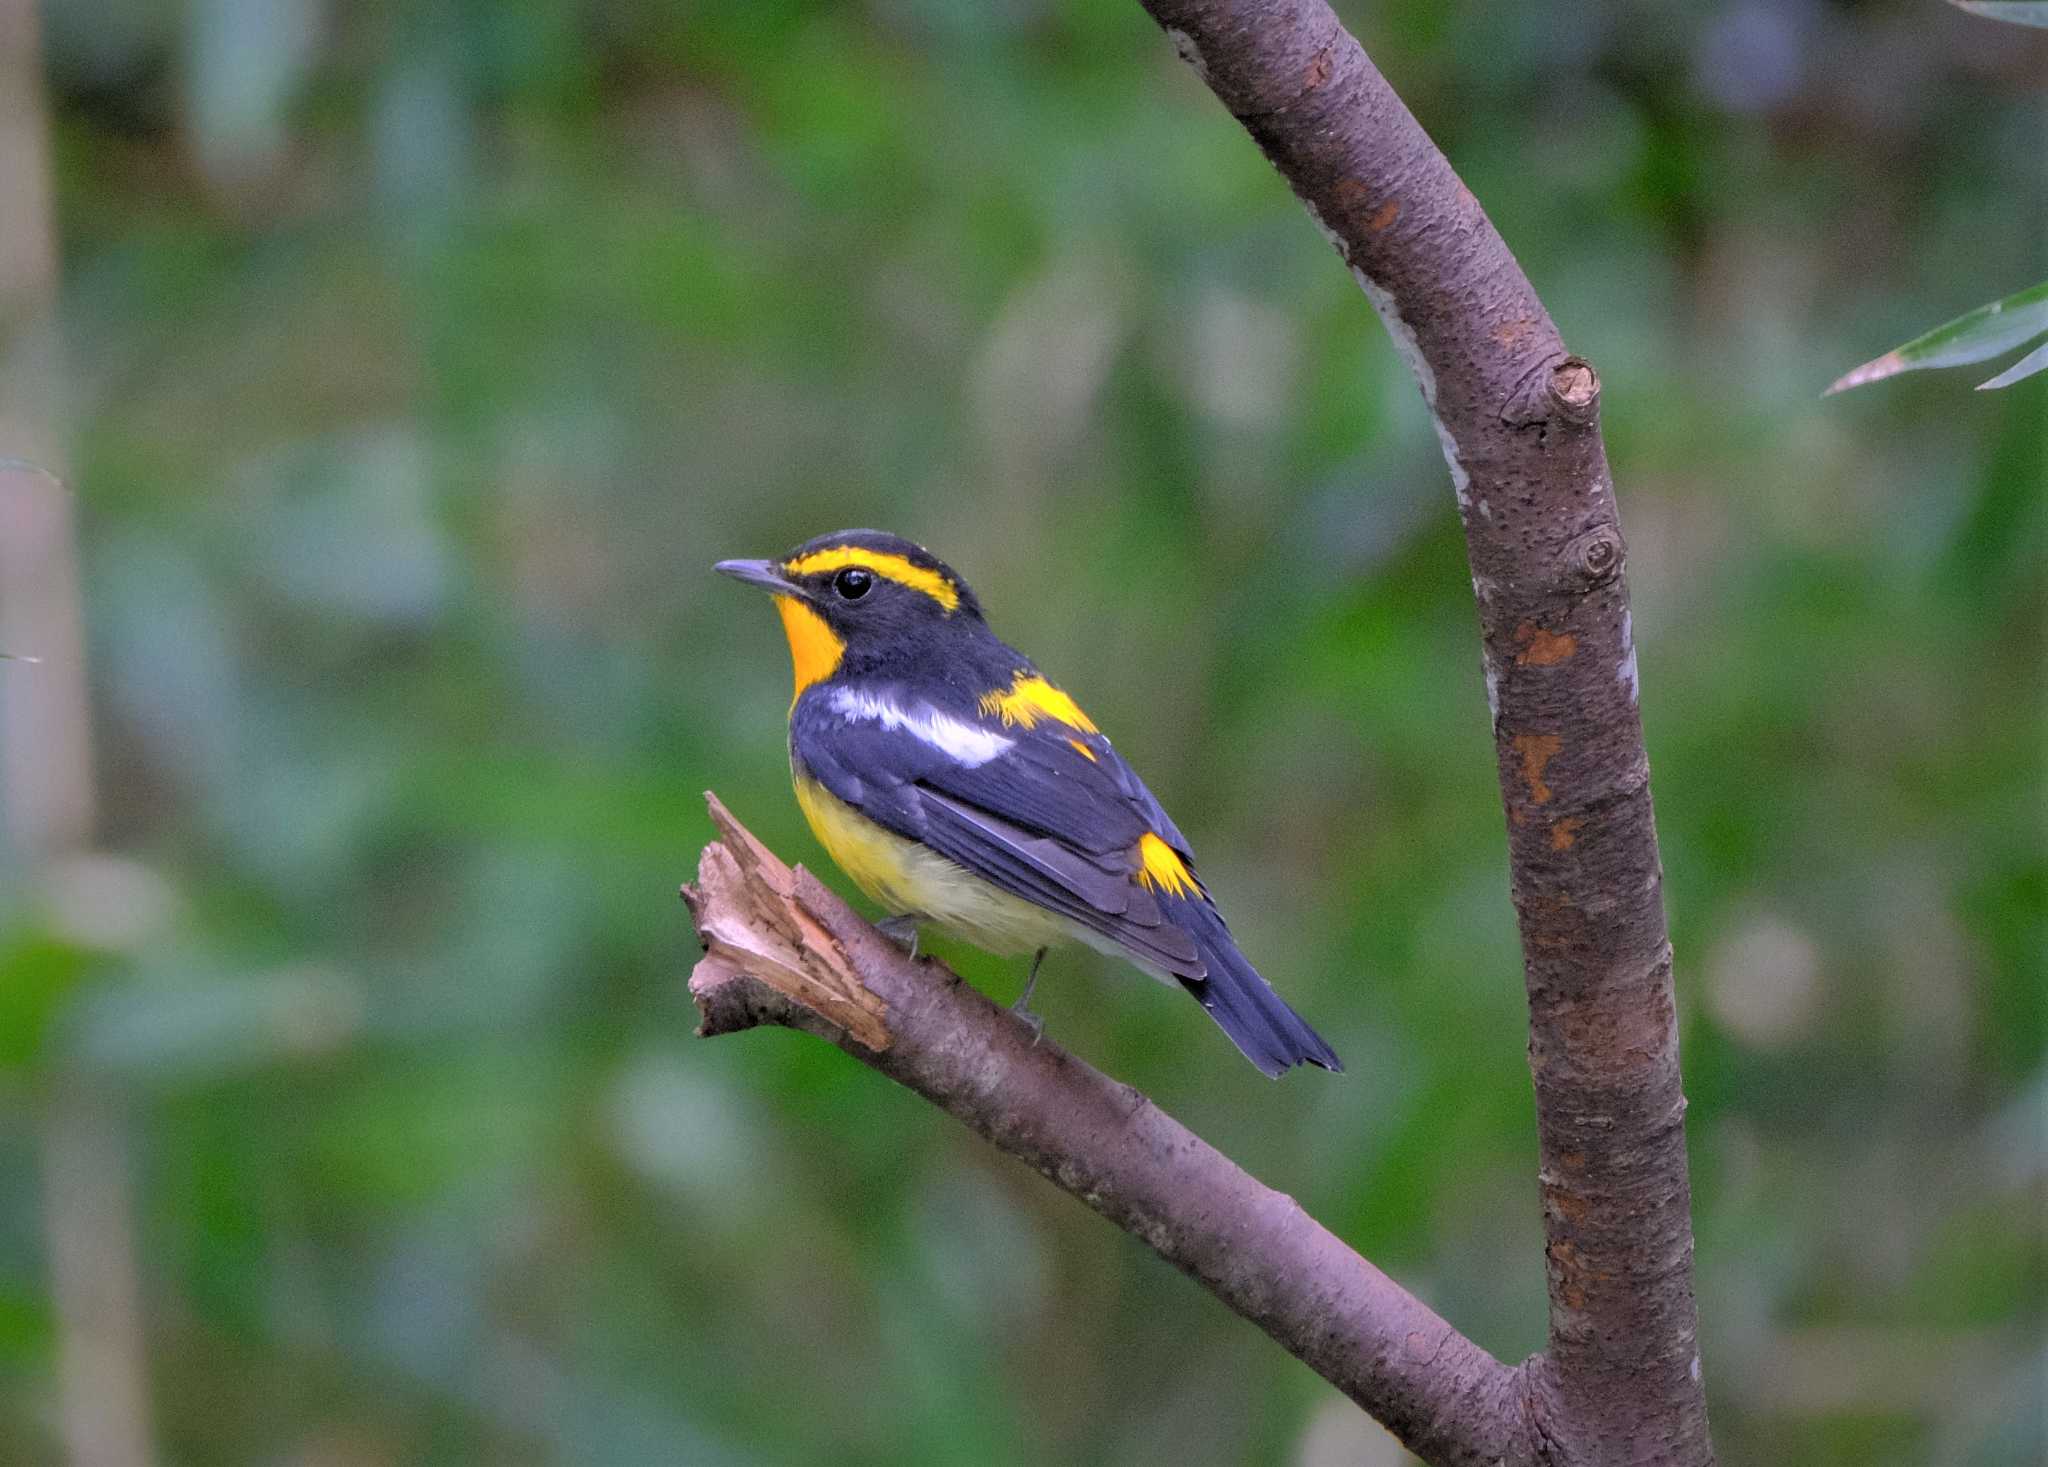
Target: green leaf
[
  {"x": 2034, "y": 361},
  {"x": 2019, "y": 12},
  {"x": 1984, "y": 332},
  {"x": 37, "y": 975}
]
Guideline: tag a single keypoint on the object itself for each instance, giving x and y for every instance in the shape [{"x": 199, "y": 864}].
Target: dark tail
[{"x": 1244, "y": 1005}]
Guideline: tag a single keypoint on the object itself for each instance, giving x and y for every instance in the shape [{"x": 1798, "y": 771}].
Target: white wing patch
[{"x": 953, "y": 737}]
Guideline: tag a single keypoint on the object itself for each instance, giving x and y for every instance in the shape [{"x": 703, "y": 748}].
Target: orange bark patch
[
  {"x": 1568, "y": 1269},
  {"x": 1385, "y": 215},
  {"x": 1542, "y": 648},
  {"x": 1565, "y": 834},
  {"x": 1537, "y": 750},
  {"x": 1568, "y": 1205},
  {"x": 1318, "y": 71}
]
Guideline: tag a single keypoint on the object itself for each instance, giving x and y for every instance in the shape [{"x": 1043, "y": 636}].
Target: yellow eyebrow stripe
[
  {"x": 1031, "y": 698},
  {"x": 1161, "y": 868},
  {"x": 898, "y": 568}
]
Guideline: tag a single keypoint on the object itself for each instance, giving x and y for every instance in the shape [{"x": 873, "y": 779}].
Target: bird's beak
[{"x": 759, "y": 573}]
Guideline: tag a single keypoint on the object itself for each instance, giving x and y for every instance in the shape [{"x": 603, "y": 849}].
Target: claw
[{"x": 901, "y": 929}]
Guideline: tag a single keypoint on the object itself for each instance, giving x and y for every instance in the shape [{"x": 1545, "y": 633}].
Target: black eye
[{"x": 853, "y": 583}]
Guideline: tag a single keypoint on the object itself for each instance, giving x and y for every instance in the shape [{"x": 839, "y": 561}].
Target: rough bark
[
  {"x": 1518, "y": 418},
  {"x": 1519, "y": 422},
  {"x": 780, "y": 948}
]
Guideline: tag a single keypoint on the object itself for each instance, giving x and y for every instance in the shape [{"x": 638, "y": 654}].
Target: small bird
[{"x": 956, "y": 786}]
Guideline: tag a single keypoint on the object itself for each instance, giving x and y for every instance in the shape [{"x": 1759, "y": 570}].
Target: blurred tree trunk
[
  {"x": 45, "y": 769},
  {"x": 46, "y": 786}
]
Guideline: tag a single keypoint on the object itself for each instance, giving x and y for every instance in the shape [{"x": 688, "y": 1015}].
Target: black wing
[
  {"x": 1040, "y": 819},
  {"x": 1054, "y": 815}
]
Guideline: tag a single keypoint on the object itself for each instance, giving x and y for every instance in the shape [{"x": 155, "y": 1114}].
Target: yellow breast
[{"x": 904, "y": 876}]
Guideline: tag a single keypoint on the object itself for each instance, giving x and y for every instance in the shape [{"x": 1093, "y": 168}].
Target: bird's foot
[
  {"x": 1022, "y": 1007},
  {"x": 902, "y": 930}
]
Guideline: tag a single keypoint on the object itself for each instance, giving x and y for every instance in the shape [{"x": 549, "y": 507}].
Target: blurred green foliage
[{"x": 424, "y": 354}]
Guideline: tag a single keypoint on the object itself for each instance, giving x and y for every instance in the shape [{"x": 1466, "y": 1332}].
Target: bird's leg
[
  {"x": 1022, "y": 1007},
  {"x": 901, "y": 929}
]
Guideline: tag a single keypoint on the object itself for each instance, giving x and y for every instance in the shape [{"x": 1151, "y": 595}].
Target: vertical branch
[
  {"x": 45, "y": 767},
  {"x": 46, "y": 787},
  {"x": 88, "y": 1215},
  {"x": 1519, "y": 424}
]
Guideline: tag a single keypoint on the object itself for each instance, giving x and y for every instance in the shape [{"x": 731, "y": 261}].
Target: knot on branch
[
  {"x": 1575, "y": 389},
  {"x": 1565, "y": 389},
  {"x": 1596, "y": 557},
  {"x": 758, "y": 918}
]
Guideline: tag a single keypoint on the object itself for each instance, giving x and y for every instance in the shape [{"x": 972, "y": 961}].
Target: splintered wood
[{"x": 753, "y": 921}]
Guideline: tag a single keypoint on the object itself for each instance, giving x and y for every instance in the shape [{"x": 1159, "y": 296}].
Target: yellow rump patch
[
  {"x": 1084, "y": 751},
  {"x": 899, "y": 568},
  {"x": 1031, "y": 698},
  {"x": 1161, "y": 868},
  {"x": 814, "y": 648}
]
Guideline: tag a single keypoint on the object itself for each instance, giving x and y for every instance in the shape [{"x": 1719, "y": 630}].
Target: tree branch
[
  {"x": 780, "y": 948},
  {"x": 1518, "y": 420}
]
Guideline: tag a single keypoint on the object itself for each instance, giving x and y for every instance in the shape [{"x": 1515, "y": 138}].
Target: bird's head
[{"x": 858, "y": 594}]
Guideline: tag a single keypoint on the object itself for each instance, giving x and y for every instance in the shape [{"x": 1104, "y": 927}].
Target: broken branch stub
[{"x": 753, "y": 921}]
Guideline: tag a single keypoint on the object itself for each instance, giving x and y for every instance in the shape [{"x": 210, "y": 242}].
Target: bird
[{"x": 957, "y": 786}]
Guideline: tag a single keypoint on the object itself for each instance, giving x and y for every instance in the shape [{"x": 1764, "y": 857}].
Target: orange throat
[{"x": 814, "y": 648}]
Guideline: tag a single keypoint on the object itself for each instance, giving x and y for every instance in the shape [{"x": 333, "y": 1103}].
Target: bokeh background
[{"x": 410, "y": 362}]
